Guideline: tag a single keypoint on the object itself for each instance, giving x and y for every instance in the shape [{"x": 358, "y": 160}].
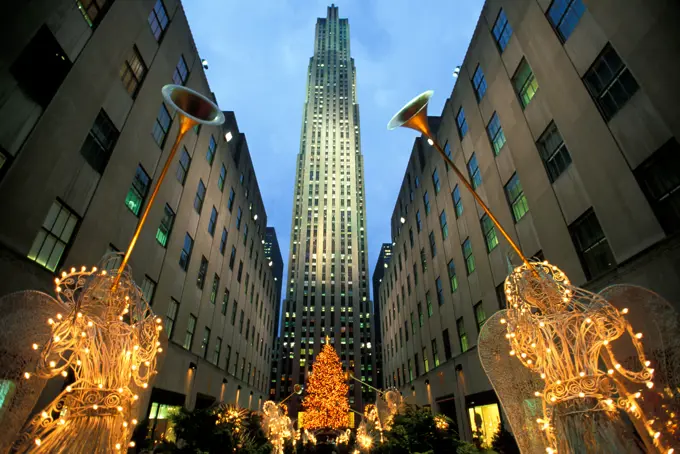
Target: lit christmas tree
[{"x": 326, "y": 404}]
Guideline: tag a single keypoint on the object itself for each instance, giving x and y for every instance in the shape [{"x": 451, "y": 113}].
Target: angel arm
[
  {"x": 57, "y": 354},
  {"x": 145, "y": 352}
]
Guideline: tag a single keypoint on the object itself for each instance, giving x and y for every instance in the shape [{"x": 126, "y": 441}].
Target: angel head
[{"x": 541, "y": 288}]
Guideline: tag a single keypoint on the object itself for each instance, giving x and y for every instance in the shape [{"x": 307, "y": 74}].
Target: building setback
[
  {"x": 564, "y": 119},
  {"x": 378, "y": 273},
  {"x": 84, "y": 135},
  {"x": 327, "y": 292},
  {"x": 272, "y": 253}
]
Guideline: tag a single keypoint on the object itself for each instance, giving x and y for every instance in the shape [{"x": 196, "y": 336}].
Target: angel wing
[{"x": 514, "y": 384}]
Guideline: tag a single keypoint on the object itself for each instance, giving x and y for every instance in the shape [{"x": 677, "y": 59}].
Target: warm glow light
[{"x": 326, "y": 404}]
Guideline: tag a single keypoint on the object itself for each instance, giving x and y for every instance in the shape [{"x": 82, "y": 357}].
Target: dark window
[
  {"x": 202, "y": 270},
  {"x": 440, "y": 290},
  {"x": 230, "y": 203},
  {"x": 212, "y": 222},
  {"x": 185, "y": 255},
  {"x": 423, "y": 260},
  {"x": 553, "y": 152},
  {"x": 200, "y": 196},
  {"x": 54, "y": 236},
  {"x": 516, "y": 199},
  {"x": 234, "y": 311},
  {"x": 564, "y": 15},
  {"x": 426, "y": 202},
  {"x": 410, "y": 236},
  {"x": 462, "y": 335},
  {"x": 461, "y": 123},
  {"x": 183, "y": 166},
  {"x": 232, "y": 257},
  {"x": 480, "y": 315},
  {"x": 453, "y": 279},
  {"x": 239, "y": 215},
  {"x": 225, "y": 302},
  {"x": 502, "y": 30},
  {"x": 171, "y": 317},
  {"x": 215, "y": 288},
  {"x": 525, "y": 83},
  {"x": 222, "y": 177},
  {"x": 473, "y": 169},
  {"x": 217, "y": 352},
  {"x": 469, "y": 258},
  {"x": 181, "y": 73},
  {"x": 419, "y": 224},
  {"x": 433, "y": 245},
  {"x": 165, "y": 227},
  {"x": 161, "y": 126},
  {"x": 223, "y": 241},
  {"x": 41, "y": 67},
  {"x": 138, "y": 191},
  {"x": 496, "y": 135},
  {"x": 609, "y": 82},
  {"x": 239, "y": 275},
  {"x": 659, "y": 179},
  {"x": 132, "y": 72},
  {"x": 447, "y": 344},
  {"x": 158, "y": 20},
  {"x": 189, "y": 335},
  {"x": 500, "y": 295},
  {"x": 591, "y": 245},
  {"x": 444, "y": 226},
  {"x": 436, "y": 182},
  {"x": 447, "y": 152},
  {"x": 489, "y": 232},
  {"x": 479, "y": 83},
  {"x": 99, "y": 142},
  {"x": 93, "y": 11},
  {"x": 457, "y": 202}
]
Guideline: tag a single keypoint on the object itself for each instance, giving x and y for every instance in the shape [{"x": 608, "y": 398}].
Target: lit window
[
  {"x": 132, "y": 72},
  {"x": 457, "y": 202},
  {"x": 473, "y": 169},
  {"x": 138, "y": 191},
  {"x": 502, "y": 30},
  {"x": 158, "y": 20},
  {"x": 480, "y": 315},
  {"x": 435, "y": 182},
  {"x": 453, "y": 279},
  {"x": 564, "y": 15},
  {"x": 433, "y": 245},
  {"x": 462, "y": 335},
  {"x": 444, "y": 226},
  {"x": 489, "y": 232},
  {"x": 496, "y": 135},
  {"x": 525, "y": 83},
  {"x": 516, "y": 199},
  {"x": 189, "y": 335},
  {"x": 165, "y": 227},
  {"x": 54, "y": 236},
  {"x": 469, "y": 258},
  {"x": 93, "y": 10}
]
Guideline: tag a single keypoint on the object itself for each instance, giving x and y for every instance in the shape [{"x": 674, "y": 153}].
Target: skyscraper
[
  {"x": 327, "y": 292},
  {"x": 378, "y": 273}
]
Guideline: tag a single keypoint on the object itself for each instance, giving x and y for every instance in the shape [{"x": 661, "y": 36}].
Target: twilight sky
[{"x": 258, "y": 52}]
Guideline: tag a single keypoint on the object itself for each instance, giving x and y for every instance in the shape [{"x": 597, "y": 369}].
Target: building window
[
  {"x": 200, "y": 197},
  {"x": 165, "y": 227},
  {"x": 423, "y": 260},
  {"x": 502, "y": 31},
  {"x": 230, "y": 203},
  {"x": 205, "y": 341},
  {"x": 435, "y": 355},
  {"x": 609, "y": 82},
  {"x": 564, "y": 15},
  {"x": 433, "y": 245},
  {"x": 132, "y": 72},
  {"x": 447, "y": 344},
  {"x": 469, "y": 258},
  {"x": 171, "y": 317},
  {"x": 212, "y": 222},
  {"x": 189, "y": 335},
  {"x": 496, "y": 135},
  {"x": 516, "y": 199},
  {"x": 440, "y": 291},
  {"x": 453, "y": 279},
  {"x": 489, "y": 232},
  {"x": 500, "y": 295},
  {"x": 428, "y": 301},
  {"x": 185, "y": 255},
  {"x": 525, "y": 83},
  {"x": 93, "y": 10},
  {"x": 462, "y": 335},
  {"x": 162, "y": 126},
  {"x": 410, "y": 237},
  {"x": 426, "y": 202},
  {"x": 232, "y": 258},
  {"x": 215, "y": 287},
  {"x": 223, "y": 241},
  {"x": 148, "y": 288},
  {"x": 239, "y": 275},
  {"x": 658, "y": 177},
  {"x": 480, "y": 315},
  {"x": 202, "y": 270},
  {"x": 239, "y": 214},
  {"x": 479, "y": 83},
  {"x": 240, "y": 322},
  {"x": 222, "y": 177},
  {"x": 416, "y": 181},
  {"x": 447, "y": 152},
  {"x": 461, "y": 123},
  {"x": 473, "y": 169},
  {"x": 553, "y": 151},
  {"x": 210, "y": 155},
  {"x": 216, "y": 353},
  {"x": 158, "y": 20},
  {"x": 421, "y": 319},
  {"x": 183, "y": 166},
  {"x": 234, "y": 311},
  {"x": 426, "y": 362},
  {"x": 484, "y": 421},
  {"x": 591, "y": 245},
  {"x": 457, "y": 202},
  {"x": 138, "y": 190},
  {"x": 54, "y": 236},
  {"x": 181, "y": 73},
  {"x": 444, "y": 226},
  {"x": 419, "y": 224},
  {"x": 99, "y": 142},
  {"x": 225, "y": 301},
  {"x": 435, "y": 182}
]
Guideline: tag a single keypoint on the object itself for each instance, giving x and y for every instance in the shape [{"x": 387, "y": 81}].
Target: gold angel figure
[{"x": 107, "y": 342}]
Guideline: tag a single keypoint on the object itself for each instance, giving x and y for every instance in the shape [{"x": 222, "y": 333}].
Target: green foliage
[
  {"x": 504, "y": 442},
  {"x": 467, "y": 448}
]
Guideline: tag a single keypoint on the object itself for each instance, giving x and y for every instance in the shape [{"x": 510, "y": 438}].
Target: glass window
[
  {"x": 467, "y": 254},
  {"x": 426, "y": 202},
  {"x": 473, "y": 169},
  {"x": 210, "y": 155},
  {"x": 185, "y": 255},
  {"x": 440, "y": 291},
  {"x": 496, "y": 135},
  {"x": 212, "y": 222},
  {"x": 447, "y": 344},
  {"x": 165, "y": 227},
  {"x": 93, "y": 10},
  {"x": 435, "y": 181},
  {"x": 216, "y": 353},
  {"x": 553, "y": 151},
  {"x": 480, "y": 315},
  {"x": 232, "y": 258},
  {"x": 230, "y": 203},
  {"x": 410, "y": 237},
  {"x": 489, "y": 232},
  {"x": 54, "y": 236},
  {"x": 223, "y": 241},
  {"x": 205, "y": 342},
  {"x": 222, "y": 177},
  {"x": 419, "y": 224},
  {"x": 516, "y": 199},
  {"x": 461, "y": 123},
  {"x": 234, "y": 311},
  {"x": 132, "y": 72},
  {"x": 457, "y": 202},
  {"x": 564, "y": 15},
  {"x": 433, "y": 245},
  {"x": 158, "y": 20},
  {"x": 239, "y": 214},
  {"x": 148, "y": 288},
  {"x": 444, "y": 226},
  {"x": 225, "y": 301},
  {"x": 200, "y": 196},
  {"x": 423, "y": 260},
  {"x": 435, "y": 355},
  {"x": 659, "y": 179},
  {"x": 99, "y": 142},
  {"x": 485, "y": 420},
  {"x": 171, "y": 317},
  {"x": 189, "y": 335},
  {"x": 447, "y": 152},
  {"x": 181, "y": 73},
  {"x": 426, "y": 363},
  {"x": 591, "y": 245},
  {"x": 202, "y": 271},
  {"x": 462, "y": 335},
  {"x": 161, "y": 126},
  {"x": 453, "y": 279},
  {"x": 183, "y": 166},
  {"x": 502, "y": 30},
  {"x": 417, "y": 181},
  {"x": 479, "y": 83},
  {"x": 525, "y": 83},
  {"x": 428, "y": 300},
  {"x": 421, "y": 319},
  {"x": 610, "y": 83},
  {"x": 138, "y": 191}
]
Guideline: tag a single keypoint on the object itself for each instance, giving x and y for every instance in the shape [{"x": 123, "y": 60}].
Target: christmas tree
[{"x": 326, "y": 404}]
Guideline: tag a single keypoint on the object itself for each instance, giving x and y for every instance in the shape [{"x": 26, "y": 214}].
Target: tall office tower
[
  {"x": 272, "y": 254},
  {"x": 378, "y": 272},
  {"x": 328, "y": 282}
]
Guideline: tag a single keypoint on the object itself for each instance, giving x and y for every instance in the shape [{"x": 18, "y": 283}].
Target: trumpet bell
[
  {"x": 413, "y": 115},
  {"x": 193, "y": 105}
]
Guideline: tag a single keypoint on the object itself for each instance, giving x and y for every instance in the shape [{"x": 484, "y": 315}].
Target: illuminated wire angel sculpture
[
  {"x": 107, "y": 340},
  {"x": 596, "y": 386}
]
